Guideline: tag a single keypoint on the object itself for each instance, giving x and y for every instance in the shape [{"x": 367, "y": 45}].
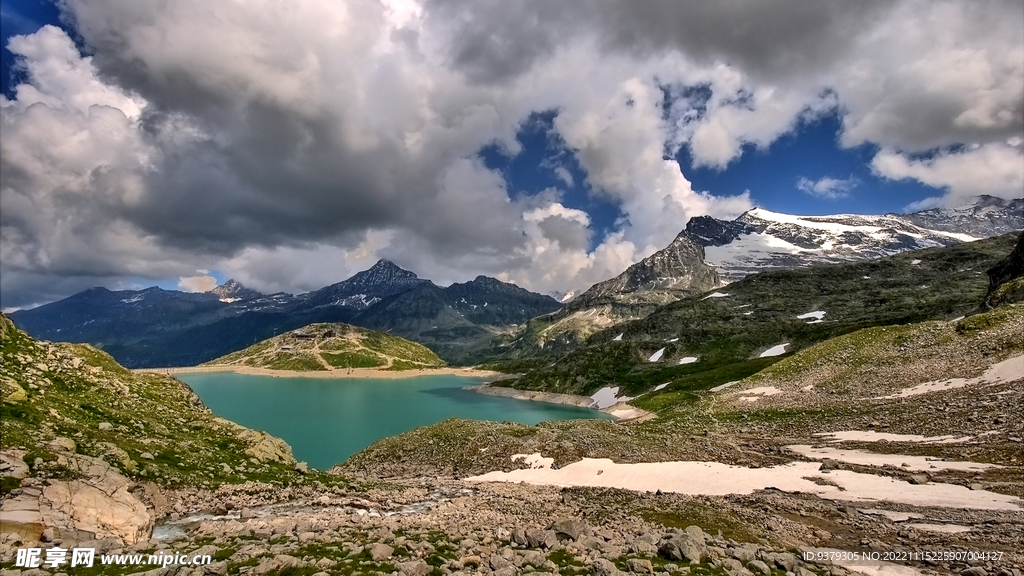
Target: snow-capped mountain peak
[{"x": 762, "y": 240}]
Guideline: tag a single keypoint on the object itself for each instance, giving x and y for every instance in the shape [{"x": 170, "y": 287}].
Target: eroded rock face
[
  {"x": 266, "y": 448},
  {"x": 97, "y": 505}
]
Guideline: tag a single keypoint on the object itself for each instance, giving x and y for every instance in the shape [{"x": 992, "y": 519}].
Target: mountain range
[
  {"x": 156, "y": 327},
  {"x": 486, "y": 319}
]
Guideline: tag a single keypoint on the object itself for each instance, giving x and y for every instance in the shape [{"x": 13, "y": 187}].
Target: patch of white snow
[
  {"x": 774, "y": 351},
  {"x": 715, "y": 295},
  {"x": 1006, "y": 371},
  {"x": 656, "y": 356}
]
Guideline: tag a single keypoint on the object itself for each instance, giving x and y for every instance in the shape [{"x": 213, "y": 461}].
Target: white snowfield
[
  {"x": 608, "y": 396},
  {"x": 871, "y": 436},
  {"x": 864, "y": 458},
  {"x": 817, "y": 315},
  {"x": 534, "y": 460},
  {"x": 1006, "y": 371},
  {"x": 774, "y": 351},
  {"x": 716, "y": 479},
  {"x": 619, "y": 337},
  {"x": 948, "y": 528},
  {"x": 688, "y": 360},
  {"x": 656, "y": 356},
  {"x": 829, "y": 235},
  {"x": 754, "y": 394},
  {"x": 721, "y": 387}
]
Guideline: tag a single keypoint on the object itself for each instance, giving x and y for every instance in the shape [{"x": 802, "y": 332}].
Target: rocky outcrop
[
  {"x": 267, "y": 448},
  {"x": 1006, "y": 279},
  {"x": 96, "y": 504}
]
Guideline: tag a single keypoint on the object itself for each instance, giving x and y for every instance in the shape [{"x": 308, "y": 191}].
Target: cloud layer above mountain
[{"x": 292, "y": 144}]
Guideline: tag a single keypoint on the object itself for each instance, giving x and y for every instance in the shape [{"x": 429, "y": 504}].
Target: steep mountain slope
[
  {"x": 458, "y": 320},
  {"x": 156, "y": 327},
  {"x": 761, "y": 240},
  {"x": 740, "y": 329},
  {"x": 319, "y": 347},
  {"x": 232, "y": 291},
  {"x": 366, "y": 288},
  {"x": 90, "y": 429},
  {"x": 669, "y": 274}
]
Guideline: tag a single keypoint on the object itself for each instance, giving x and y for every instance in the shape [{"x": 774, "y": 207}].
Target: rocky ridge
[{"x": 760, "y": 240}]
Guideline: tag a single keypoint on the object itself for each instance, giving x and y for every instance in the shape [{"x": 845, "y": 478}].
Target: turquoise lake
[{"x": 327, "y": 420}]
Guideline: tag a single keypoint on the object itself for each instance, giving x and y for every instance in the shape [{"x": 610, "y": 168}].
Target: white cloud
[
  {"x": 197, "y": 283},
  {"x": 827, "y": 187},
  {"x": 563, "y": 174},
  {"x": 292, "y": 145},
  {"x": 994, "y": 169}
]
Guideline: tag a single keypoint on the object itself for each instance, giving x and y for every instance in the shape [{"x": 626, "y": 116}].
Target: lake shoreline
[
  {"x": 339, "y": 373},
  {"x": 621, "y": 411}
]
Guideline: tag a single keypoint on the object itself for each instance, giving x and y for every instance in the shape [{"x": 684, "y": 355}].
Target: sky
[{"x": 550, "y": 144}]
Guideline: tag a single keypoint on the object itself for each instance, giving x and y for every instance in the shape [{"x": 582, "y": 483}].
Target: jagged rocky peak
[
  {"x": 678, "y": 269},
  {"x": 385, "y": 272},
  {"x": 234, "y": 290},
  {"x": 708, "y": 231}
]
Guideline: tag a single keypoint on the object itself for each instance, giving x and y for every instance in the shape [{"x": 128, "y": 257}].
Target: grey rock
[
  {"x": 497, "y": 562},
  {"x": 570, "y": 529},
  {"x": 216, "y": 569},
  {"x": 414, "y": 568},
  {"x": 643, "y": 547},
  {"x": 603, "y": 567},
  {"x": 785, "y": 561},
  {"x": 975, "y": 571},
  {"x": 640, "y": 566},
  {"x": 684, "y": 547},
  {"x": 541, "y": 538},
  {"x": 534, "y": 558},
  {"x": 380, "y": 551},
  {"x": 919, "y": 479},
  {"x": 758, "y": 567}
]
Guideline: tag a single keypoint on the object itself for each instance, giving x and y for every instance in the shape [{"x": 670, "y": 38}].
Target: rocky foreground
[{"x": 912, "y": 459}]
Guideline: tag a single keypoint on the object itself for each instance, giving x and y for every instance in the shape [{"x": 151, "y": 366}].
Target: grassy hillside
[
  {"x": 319, "y": 347},
  {"x": 66, "y": 399},
  {"x": 833, "y": 385},
  {"x": 728, "y": 330}
]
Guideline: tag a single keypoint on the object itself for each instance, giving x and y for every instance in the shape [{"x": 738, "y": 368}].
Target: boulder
[
  {"x": 414, "y": 568},
  {"x": 570, "y": 529},
  {"x": 97, "y": 503},
  {"x": 603, "y": 567},
  {"x": 640, "y": 566},
  {"x": 266, "y": 448},
  {"x": 380, "y": 551},
  {"x": 684, "y": 547},
  {"x": 759, "y": 567},
  {"x": 541, "y": 538}
]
